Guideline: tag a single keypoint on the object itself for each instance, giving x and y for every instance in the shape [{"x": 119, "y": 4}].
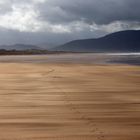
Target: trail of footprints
[
  {"x": 94, "y": 128},
  {"x": 88, "y": 121}
]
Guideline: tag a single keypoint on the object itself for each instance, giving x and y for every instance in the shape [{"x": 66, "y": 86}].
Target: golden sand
[{"x": 69, "y": 102}]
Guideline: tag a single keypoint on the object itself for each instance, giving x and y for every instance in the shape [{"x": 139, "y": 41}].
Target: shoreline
[{"x": 77, "y": 58}]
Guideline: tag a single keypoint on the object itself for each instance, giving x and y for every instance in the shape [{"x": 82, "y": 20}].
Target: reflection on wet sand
[{"x": 76, "y": 58}]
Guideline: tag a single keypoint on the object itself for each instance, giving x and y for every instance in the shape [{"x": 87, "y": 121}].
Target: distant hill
[
  {"x": 27, "y": 52},
  {"x": 19, "y": 47},
  {"x": 124, "y": 41}
]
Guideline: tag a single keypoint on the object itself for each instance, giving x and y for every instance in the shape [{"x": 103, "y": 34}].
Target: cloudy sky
[{"x": 57, "y": 21}]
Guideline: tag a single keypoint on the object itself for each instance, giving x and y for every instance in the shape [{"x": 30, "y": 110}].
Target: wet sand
[
  {"x": 69, "y": 101},
  {"x": 75, "y": 58}
]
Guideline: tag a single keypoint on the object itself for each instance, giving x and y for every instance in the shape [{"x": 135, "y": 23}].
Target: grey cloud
[
  {"x": 14, "y": 36},
  {"x": 72, "y": 19},
  {"x": 5, "y": 7},
  {"x": 98, "y": 11}
]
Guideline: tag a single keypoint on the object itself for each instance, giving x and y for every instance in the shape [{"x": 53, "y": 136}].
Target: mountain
[
  {"x": 19, "y": 47},
  {"x": 123, "y": 41}
]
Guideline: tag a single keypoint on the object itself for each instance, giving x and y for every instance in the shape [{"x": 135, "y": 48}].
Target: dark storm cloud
[{"x": 98, "y": 11}]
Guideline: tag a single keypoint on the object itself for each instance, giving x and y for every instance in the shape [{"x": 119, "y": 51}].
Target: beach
[{"x": 69, "y": 101}]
